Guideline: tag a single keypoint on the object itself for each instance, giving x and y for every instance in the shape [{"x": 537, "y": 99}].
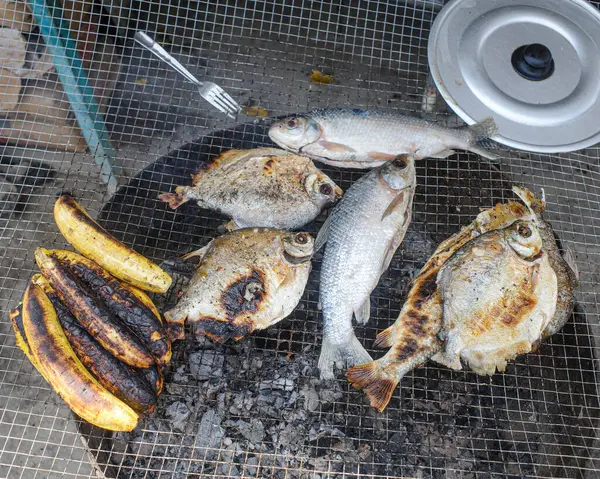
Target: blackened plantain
[
  {"x": 108, "y": 330},
  {"x": 63, "y": 370},
  {"x": 125, "y": 382},
  {"x": 154, "y": 377},
  {"x": 120, "y": 301}
]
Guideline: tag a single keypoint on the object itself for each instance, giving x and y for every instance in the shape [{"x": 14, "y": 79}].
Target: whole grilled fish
[
  {"x": 413, "y": 338},
  {"x": 246, "y": 280},
  {"x": 366, "y": 139},
  {"x": 499, "y": 293},
  {"x": 362, "y": 234},
  {"x": 262, "y": 187}
]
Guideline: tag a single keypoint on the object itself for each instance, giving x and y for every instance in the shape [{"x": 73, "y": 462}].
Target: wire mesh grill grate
[{"x": 256, "y": 408}]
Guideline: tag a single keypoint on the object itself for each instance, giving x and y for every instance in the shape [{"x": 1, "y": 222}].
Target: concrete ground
[{"x": 377, "y": 55}]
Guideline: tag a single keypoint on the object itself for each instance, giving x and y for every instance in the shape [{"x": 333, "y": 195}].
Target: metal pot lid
[{"x": 533, "y": 66}]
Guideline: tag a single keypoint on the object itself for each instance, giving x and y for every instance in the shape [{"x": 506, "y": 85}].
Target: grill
[{"x": 256, "y": 408}]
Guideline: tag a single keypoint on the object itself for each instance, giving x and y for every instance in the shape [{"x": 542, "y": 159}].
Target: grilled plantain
[
  {"x": 65, "y": 372},
  {"x": 16, "y": 318},
  {"x": 93, "y": 314},
  {"x": 120, "y": 301},
  {"x": 154, "y": 377},
  {"x": 125, "y": 382},
  {"x": 94, "y": 242}
]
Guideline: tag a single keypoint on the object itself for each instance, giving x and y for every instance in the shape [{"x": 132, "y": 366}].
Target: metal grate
[{"x": 256, "y": 408}]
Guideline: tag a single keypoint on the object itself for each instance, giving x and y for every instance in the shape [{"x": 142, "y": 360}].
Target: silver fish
[
  {"x": 362, "y": 233},
  {"x": 366, "y": 139},
  {"x": 262, "y": 187},
  {"x": 246, "y": 280}
]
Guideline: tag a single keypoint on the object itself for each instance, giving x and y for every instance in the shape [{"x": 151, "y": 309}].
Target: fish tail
[
  {"x": 385, "y": 339},
  {"x": 482, "y": 130},
  {"x": 342, "y": 356},
  {"x": 174, "y": 200},
  {"x": 375, "y": 380}
]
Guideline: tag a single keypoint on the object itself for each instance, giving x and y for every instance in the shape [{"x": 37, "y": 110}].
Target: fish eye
[
  {"x": 301, "y": 238},
  {"x": 524, "y": 231},
  {"x": 292, "y": 123},
  {"x": 325, "y": 189},
  {"x": 400, "y": 161}
]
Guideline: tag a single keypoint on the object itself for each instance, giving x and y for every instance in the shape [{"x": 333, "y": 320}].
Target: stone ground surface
[{"x": 256, "y": 409}]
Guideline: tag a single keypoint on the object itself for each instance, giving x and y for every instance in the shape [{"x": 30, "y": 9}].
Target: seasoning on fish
[
  {"x": 414, "y": 336},
  {"x": 363, "y": 232},
  {"x": 366, "y": 139},
  {"x": 246, "y": 280},
  {"x": 263, "y": 187}
]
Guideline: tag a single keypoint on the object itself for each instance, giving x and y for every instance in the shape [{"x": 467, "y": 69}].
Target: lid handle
[{"x": 533, "y": 62}]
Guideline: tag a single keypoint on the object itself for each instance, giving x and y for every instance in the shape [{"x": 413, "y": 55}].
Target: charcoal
[
  {"x": 178, "y": 412},
  {"x": 251, "y": 466},
  {"x": 206, "y": 364}
]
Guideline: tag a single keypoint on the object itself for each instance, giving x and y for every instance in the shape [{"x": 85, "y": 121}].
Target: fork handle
[{"x": 149, "y": 43}]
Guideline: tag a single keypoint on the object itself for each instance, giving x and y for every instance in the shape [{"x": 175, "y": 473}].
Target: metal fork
[{"x": 211, "y": 92}]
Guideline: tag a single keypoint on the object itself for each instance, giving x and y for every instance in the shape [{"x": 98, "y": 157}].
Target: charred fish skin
[
  {"x": 362, "y": 232},
  {"x": 246, "y": 280},
  {"x": 352, "y": 138},
  {"x": 264, "y": 187},
  {"x": 413, "y": 338}
]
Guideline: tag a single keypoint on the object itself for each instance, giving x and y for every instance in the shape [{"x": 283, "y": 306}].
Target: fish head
[
  {"x": 295, "y": 132},
  {"x": 298, "y": 248},
  {"x": 399, "y": 173},
  {"x": 524, "y": 238},
  {"x": 322, "y": 189}
]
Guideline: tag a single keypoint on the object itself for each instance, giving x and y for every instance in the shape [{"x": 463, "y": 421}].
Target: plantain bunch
[{"x": 89, "y": 328}]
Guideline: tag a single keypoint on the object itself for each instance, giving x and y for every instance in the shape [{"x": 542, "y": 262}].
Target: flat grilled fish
[
  {"x": 367, "y": 139},
  {"x": 363, "y": 232},
  {"x": 264, "y": 187},
  {"x": 246, "y": 280},
  {"x": 499, "y": 293}
]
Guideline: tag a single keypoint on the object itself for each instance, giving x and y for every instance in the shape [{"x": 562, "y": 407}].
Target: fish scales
[
  {"x": 366, "y": 139},
  {"x": 363, "y": 233}
]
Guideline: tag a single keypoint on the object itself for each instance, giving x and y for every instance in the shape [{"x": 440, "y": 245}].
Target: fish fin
[
  {"x": 535, "y": 205},
  {"x": 199, "y": 253},
  {"x": 483, "y": 129},
  {"x": 393, "y": 205},
  {"x": 174, "y": 200},
  {"x": 379, "y": 156},
  {"x": 450, "y": 355},
  {"x": 335, "y": 147},
  {"x": 385, "y": 339},
  {"x": 231, "y": 225},
  {"x": 323, "y": 234},
  {"x": 569, "y": 258},
  {"x": 289, "y": 279},
  {"x": 443, "y": 154},
  {"x": 371, "y": 378},
  {"x": 364, "y": 312},
  {"x": 341, "y": 356}
]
